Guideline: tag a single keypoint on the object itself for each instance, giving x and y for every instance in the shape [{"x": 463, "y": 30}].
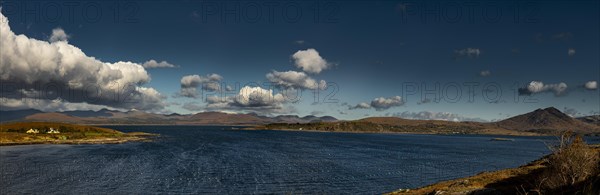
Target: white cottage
[
  {"x": 52, "y": 130},
  {"x": 34, "y": 131}
]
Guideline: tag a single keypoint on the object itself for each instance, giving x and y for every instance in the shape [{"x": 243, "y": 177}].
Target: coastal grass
[
  {"x": 15, "y": 134},
  {"x": 572, "y": 168}
]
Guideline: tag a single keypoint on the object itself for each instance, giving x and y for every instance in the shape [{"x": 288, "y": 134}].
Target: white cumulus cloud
[
  {"x": 59, "y": 70},
  {"x": 362, "y": 105},
  {"x": 249, "y": 98},
  {"x": 591, "y": 85},
  {"x": 380, "y": 103},
  {"x": 310, "y": 61},
  {"x": 258, "y": 97},
  {"x": 58, "y": 34},
  {"x": 295, "y": 80},
  {"x": 538, "y": 87},
  {"x": 191, "y": 83}
]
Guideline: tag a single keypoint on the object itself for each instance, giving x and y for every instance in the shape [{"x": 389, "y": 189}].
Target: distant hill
[
  {"x": 545, "y": 121},
  {"x": 16, "y": 115},
  {"x": 397, "y": 125},
  {"x": 105, "y": 116},
  {"x": 305, "y": 119},
  {"x": 312, "y": 118},
  {"x": 548, "y": 121},
  {"x": 595, "y": 119},
  {"x": 88, "y": 113}
]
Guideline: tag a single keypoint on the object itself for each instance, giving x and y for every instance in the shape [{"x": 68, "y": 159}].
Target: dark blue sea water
[{"x": 204, "y": 159}]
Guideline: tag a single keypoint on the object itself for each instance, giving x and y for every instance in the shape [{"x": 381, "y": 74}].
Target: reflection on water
[{"x": 202, "y": 159}]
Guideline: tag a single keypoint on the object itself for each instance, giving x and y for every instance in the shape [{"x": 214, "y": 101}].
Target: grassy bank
[
  {"x": 572, "y": 168},
  {"x": 17, "y": 134},
  {"x": 382, "y": 125}
]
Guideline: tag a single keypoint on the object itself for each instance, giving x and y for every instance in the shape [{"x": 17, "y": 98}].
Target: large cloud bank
[{"x": 35, "y": 69}]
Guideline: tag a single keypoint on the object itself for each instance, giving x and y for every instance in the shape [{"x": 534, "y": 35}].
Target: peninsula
[{"x": 24, "y": 133}]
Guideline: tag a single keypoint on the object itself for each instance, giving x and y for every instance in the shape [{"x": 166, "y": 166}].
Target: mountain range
[
  {"x": 540, "y": 121},
  {"x": 106, "y": 116},
  {"x": 548, "y": 121}
]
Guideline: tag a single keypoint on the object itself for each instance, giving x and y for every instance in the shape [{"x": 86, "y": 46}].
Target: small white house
[
  {"x": 34, "y": 131},
  {"x": 52, "y": 130}
]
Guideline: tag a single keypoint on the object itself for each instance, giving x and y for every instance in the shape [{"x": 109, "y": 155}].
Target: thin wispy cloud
[
  {"x": 380, "y": 103},
  {"x": 571, "y": 52},
  {"x": 428, "y": 115},
  {"x": 467, "y": 52},
  {"x": 485, "y": 73},
  {"x": 155, "y": 64}
]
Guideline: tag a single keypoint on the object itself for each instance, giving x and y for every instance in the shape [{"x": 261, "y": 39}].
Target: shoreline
[
  {"x": 81, "y": 141},
  {"x": 473, "y": 184},
  {"x": 262, "y": 127},
  {"x": 389, "y": 132},
  {"x": 488, "y": 182},
  {"x": 217, "y": 125}
]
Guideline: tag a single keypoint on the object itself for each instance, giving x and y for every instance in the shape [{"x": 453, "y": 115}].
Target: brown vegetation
[
  {"x": 396, "y": 125},
  {"x": 572, "y": 168}
]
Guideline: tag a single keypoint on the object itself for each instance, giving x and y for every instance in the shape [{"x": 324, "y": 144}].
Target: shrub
[{"x": 572, "y": 168}]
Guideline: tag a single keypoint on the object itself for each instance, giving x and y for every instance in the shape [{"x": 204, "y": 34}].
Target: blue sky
[{"x": 372, "y": 49}]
